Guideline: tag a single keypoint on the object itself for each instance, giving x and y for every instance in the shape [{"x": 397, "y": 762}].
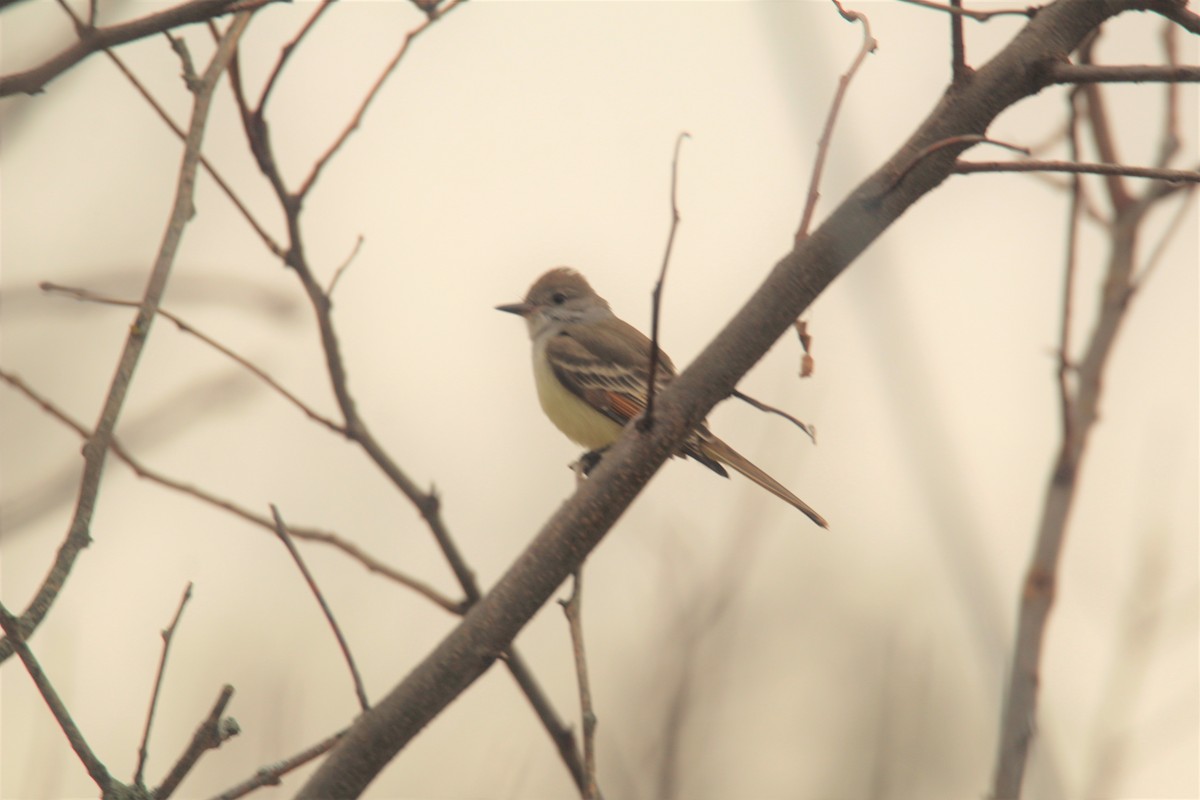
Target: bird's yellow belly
[{"x": 581, "y": 423}]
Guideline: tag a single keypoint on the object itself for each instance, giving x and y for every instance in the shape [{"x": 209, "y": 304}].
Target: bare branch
[
  {"x": 963, "y": 141},
  {"x": 290, "y": 48},
  {"x": 814, "y": 184},
  {"x": 270, "y": 776},
  {"x": 190, "y": 77},
  {"x": 580, "y": 523},
  {"x": 1157, "y": 173},
  {"x": 92, "y": 40},
  {"x": 647, "y": 420},
  {"x": 1079, "y": 410},
  {"x": 167, "y": 634},
  {"x": 16, "y": 639},
  {"x": 1065, "y": 366},
  {"x": 95, "y": 451},
  {"x": 1102, "y": 131},
  {"x": 959, "y": 70},
  {"x": 1155, "y": 257},
  {"x": 281, "y": 531},
  {"x": 1134, "y": 73},
  {"x": 761, "y": 406},
  {"x": 217, "y": 177},
  {"x": 337, "y": 275},
  {"x": 310, "y": 534},
  {"x": 91, "y": 297},
  {"x": 1170, "y": 139},
  {"x": 212, "y": 733},
  {"x": 979, "y": 16},
  {"x": 433, "y": 16},
  {"x": 573, "y": 609}
]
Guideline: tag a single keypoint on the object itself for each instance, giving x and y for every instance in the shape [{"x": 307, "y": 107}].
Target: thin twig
[
  {"x": 86, "y": 295},
  {"x": 1170, "y": 139},
  {"x": 978, "y": 16},
  {"x": 167, "y": 634},
  {"x": 211, "y": 734},
  {"x": 959, "y": 70},
  {"x": 356, "y": 120},
  {"x": 309, "y": 534},
  {"x": 1065, "y": 366},
  {"x": 573, "y": 609},
  {"x": 270, "y": 775},
  {"x": 219, "y": 179},
  {"x": 761, "y": 406},
  {"x": 92, "y": 40},
  {"x": 1133, "y": 73},
  {"x": 337, "y": 274},
  {"x": 1102, "y": 134},
  {"x": 95, "y": 451},
  {"x": 16, "y": 639},
  {"x": 1156, "y": 173},
  {"x": 1168, "y": 234},
  {"x": 647, "y": 420},
  {"x": 281, "y": 531},
  {"x": 287, "y": 51},
  {"x": 964, "y": 141},
  {"x": 190, "y": 77},
  {"x": 814, "y": 184}
]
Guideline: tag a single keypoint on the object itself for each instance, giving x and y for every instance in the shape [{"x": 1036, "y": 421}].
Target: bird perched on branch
[{"x": 592, "y": 371}]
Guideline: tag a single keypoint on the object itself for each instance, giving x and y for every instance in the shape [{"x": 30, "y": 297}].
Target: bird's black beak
[{"x": 520, "y": 309}]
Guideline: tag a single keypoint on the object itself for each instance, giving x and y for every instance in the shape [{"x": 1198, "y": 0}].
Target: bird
[{"x": 592, "y": 372}]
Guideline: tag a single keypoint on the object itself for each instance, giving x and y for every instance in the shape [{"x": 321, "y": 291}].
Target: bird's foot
[{"x": 587, "y": 462}]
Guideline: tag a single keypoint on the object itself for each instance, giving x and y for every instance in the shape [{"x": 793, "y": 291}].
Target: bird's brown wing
[{"x": 608, "y": 367}]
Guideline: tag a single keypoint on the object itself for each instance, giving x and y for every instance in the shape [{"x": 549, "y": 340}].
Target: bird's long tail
[{"x": 718, "y": 450}]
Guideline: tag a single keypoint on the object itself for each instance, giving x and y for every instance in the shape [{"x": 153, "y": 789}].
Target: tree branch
[
  {"x": 167, "y": 634},
  {"x": 647, "y": 419},
  {"x": 270, "y": 776},
  {"x": 281, "y": 530},
  {"x": 1079, "y": 410},
  {"x": 83, "y": 295},
  {"x": 211, "y": 734},
  {"x": 582, "y": 521},
  {"x": 16, "y": 639},
  {"x": 573, "y": 610},
  {"x": 867, "y": 47},
  {"x": 92, "y": 40},
  {"x": 349, "y": 548},
  {"x": 1135, "y": 73},
  {"x": 978, "y": 16},
  {"x": 433, "y": 16},
  {"x": 95, "y": 451},
  {"x": 1172, "y": 175}
]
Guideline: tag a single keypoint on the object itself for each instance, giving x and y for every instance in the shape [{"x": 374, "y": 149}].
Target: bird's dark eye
[{"x": 558, "y": 298}]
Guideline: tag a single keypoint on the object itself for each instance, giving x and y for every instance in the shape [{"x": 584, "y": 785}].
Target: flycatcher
[{"x": 592, "y": 370}]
